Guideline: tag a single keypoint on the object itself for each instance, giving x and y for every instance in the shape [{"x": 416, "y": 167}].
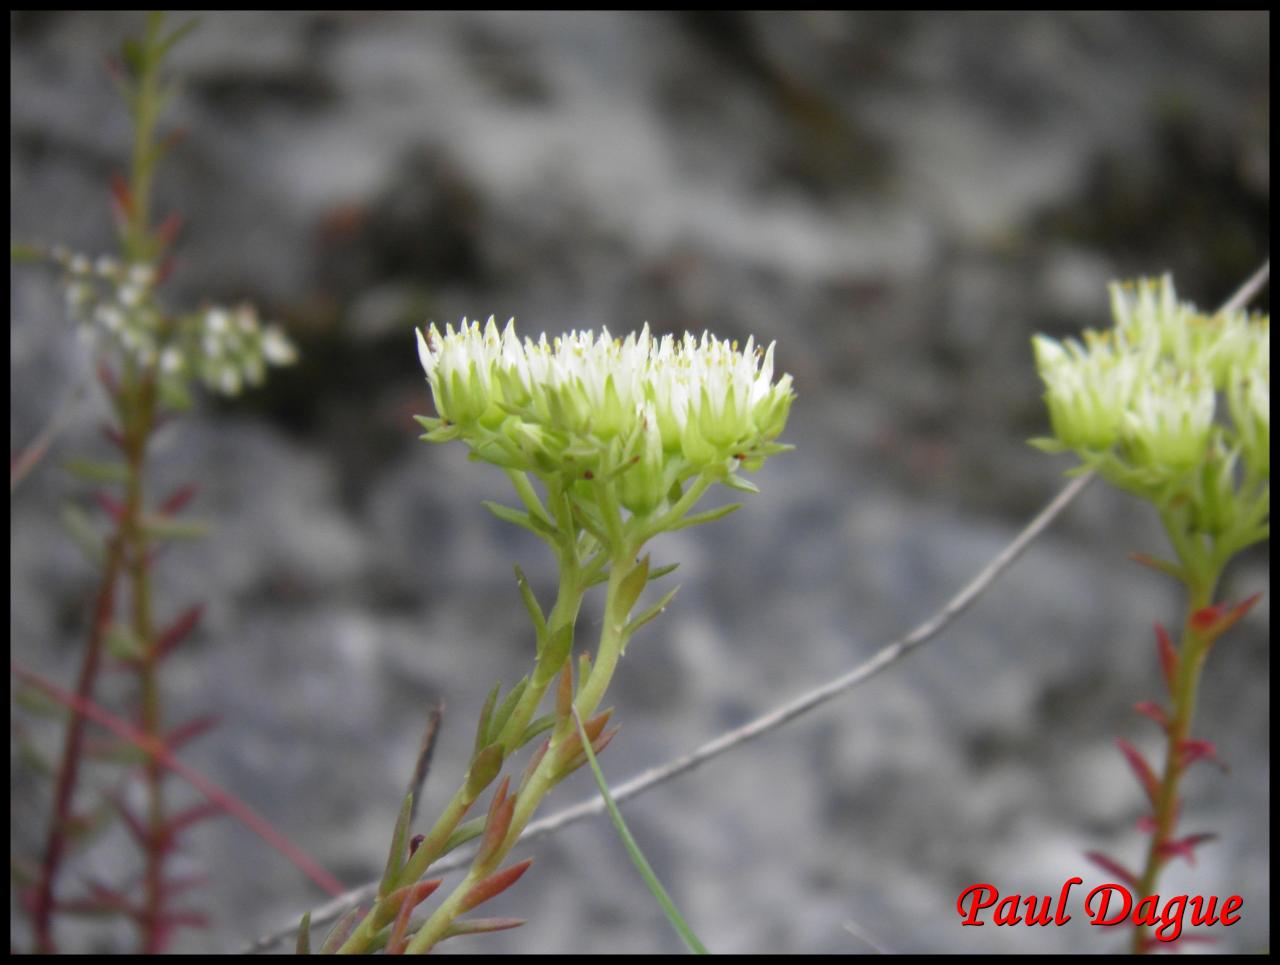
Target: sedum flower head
[
  {"x": 1171, "y": 404},
  {"x": 642, "y": 414}
]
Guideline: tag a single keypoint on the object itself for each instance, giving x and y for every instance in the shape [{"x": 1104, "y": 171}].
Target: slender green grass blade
[{"x": 668, "y": 906}]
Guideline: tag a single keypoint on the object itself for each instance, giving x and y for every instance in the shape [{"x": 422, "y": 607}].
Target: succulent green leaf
[
  {"x": 523, "y": 520},
  {"x": 734, "y": 481},
  {"x": 543, "y": 723},
  {"x": 483, "y": 770},
  {"x": 535, "y": 611},
  {"x": 164, "y": 527},
  {"x": 463, "y": 833},
  {"x": 555, "y": 653},
  {"x": 662, "y": 571},
  {"x": 97, "y": 472},
  {"x": 304, "y": 935},
  {"x": 647, "y": 615},
  {"x": 77, "y": 522},
  {"x": 399, "y": 846},
  {"x": 632, "y": 585},
  {"x": 123, "y": 644},
  {"x": 503, "y": 713},
  {"x": 486, "y": 715},
  {"x": 697, "y": 519}
]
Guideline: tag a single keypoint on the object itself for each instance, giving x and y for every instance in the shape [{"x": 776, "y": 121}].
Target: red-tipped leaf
[
  {"x": 178, "y": 499},
  {"x": 497, "y": 823},
  {"x": 478, "y": 926},
  {"x": 1168, "y": 657},
  {"x": 390, "y": 906},
  {"x": 1149, "y": 708},
  {"x": 1186, "y": 847},
  {"x": 1113, "y": 867},
  {"x": 1141, "y": 769},
  {"x": 177, "y": 631},
  {"x": 1193, "y": 749},
  {"x": 495, "y": 884},
  {"x": 110, "y": 505}
]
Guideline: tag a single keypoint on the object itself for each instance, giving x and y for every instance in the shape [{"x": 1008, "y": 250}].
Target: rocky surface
[{"x": 900, "y": 201}]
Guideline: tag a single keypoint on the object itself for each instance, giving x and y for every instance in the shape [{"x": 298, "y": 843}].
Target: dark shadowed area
[{"x": 900, "y": 201}]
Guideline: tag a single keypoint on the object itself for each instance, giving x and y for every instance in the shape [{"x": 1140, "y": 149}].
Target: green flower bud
[{"x": 1138, "y": 404}]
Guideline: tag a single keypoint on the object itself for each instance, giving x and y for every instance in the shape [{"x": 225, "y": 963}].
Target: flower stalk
[
  {"x": 1143, "y": 404},
  {"x": 622, "y": 438}
]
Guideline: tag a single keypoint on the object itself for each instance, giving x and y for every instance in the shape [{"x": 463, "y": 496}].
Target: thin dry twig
[
  {"x": 425, "y": 751},
  {"x": 889, "y": 654}
]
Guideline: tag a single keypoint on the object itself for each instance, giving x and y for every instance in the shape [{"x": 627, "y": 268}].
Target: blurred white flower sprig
[{"x": 225, "y": 348}]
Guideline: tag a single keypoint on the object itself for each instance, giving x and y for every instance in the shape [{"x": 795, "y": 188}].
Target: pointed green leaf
[
  {"x": 478, "y": 926},
  {"x": 523, "y": 520},
  {"x": 463, "y": 833},
  {"x": 164, "y": 527},
  {"x": 535, "y": 611},
  {"x": 697, "y": 519},
  {"x": 734, "y": 481},
  {"x": 37, "y": 702},
  {"x": 304, "y": 935},
  {"x": 554, "y": 654},
  {"x": 646, "y": 616},
  {"x": 399, "y": 846},
  {"x": 632, "y": 586},
  {"x": 97, "y": 472},
  {"x": 503, "y": 713},
  {"x": 543, "y": 723},
  {"x": 486, "y": 715},
  {"x": 77, "y": 522},
  {"x": 123, "y": 644},
  {"x": 662, "y": 571},
  {"x": 483, "y": 770}
]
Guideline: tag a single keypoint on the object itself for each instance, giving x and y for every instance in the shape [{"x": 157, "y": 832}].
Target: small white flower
[
  {"x": 171, "y": 362},
  {"x": 276, "y": 347}
]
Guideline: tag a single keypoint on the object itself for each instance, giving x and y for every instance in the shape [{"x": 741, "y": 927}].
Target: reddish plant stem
[
  {"x": 159, "y": 750},
  {"x": 72, "y": 749},
  {"x": 1192, "y": 651},
  {"x": 137, "y": 432}
]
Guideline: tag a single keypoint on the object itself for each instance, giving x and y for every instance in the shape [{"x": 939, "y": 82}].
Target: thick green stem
[{"x": 549, "y": 769}]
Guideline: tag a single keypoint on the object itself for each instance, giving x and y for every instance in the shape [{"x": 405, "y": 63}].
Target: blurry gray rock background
[{"x": 900, "y": 201}]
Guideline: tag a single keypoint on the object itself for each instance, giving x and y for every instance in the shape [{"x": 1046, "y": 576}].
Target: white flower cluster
[
  {"x": 648, "y": 412},
  {"x": 1141, "y": 402},
  {"x": 109, "y": 297},
  {"x": 232, "y": 349},
  {"x": 226, "y": 348}
]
